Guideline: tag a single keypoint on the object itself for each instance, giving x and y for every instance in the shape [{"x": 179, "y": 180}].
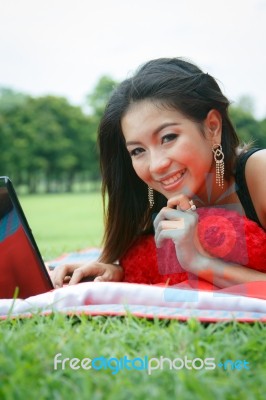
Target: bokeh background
[{"x": 60, "y": 59}]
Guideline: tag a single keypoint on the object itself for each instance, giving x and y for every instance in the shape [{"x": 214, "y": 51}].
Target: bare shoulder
[
  {"x": 257, "y": 159},
  {"x": 255, "y": 173}
]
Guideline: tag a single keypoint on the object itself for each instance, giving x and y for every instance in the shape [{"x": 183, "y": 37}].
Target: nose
[{"x": 158, "y": 163}]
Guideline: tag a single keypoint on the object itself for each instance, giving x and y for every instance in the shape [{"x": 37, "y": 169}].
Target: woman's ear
[{"x": 213, "y": 125}]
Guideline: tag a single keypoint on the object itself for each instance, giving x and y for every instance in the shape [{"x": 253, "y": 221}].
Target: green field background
[{"x": 64, "y": 222}]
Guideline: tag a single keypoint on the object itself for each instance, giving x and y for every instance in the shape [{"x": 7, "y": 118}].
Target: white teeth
[{"x": 173, "y": 178}]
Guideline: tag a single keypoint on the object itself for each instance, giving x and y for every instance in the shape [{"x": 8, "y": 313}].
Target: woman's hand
[
  {"x": 94, "y": 271},
  {"x": 180, "y": 225}
]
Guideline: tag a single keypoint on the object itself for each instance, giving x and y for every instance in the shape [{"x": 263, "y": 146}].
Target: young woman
[{"x": 168, "y": 146}]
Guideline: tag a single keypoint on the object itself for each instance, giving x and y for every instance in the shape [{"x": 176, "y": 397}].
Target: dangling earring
[
  {"x": 219, "y": 162},
  {"x": 150, "y": 196}
]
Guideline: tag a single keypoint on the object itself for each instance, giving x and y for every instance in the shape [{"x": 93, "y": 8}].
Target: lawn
[
  {"x": 64, "y": 222},
  {"x": 28, "y": 347}
]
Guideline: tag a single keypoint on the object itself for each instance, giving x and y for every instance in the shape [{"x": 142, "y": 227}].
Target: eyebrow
[{"x": 157, "y": 130}]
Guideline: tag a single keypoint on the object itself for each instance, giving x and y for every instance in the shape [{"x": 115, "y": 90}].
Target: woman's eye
[
  {"x": 169, "y": 137},
  {"x": 136, "y": 152}
]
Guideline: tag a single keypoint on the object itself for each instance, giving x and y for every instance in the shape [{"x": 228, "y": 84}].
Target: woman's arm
[
  {"x": 255, "y": 173},
  {"x": 181, "y": 228},
  {"x": 223, "y": 274}
]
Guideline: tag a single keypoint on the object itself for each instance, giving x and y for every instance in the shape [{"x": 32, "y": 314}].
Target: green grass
[
  {"x": 64, "y": 222},
  {"x": 28, "y": 346}
]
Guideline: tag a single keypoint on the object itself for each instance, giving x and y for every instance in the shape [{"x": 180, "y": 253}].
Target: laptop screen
[{"x": 21, "y": 265}]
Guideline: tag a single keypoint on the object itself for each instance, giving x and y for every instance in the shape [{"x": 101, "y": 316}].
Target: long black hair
[{"x": 171, "y": 82}]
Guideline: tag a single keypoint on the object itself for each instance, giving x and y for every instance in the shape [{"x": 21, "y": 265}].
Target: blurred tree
[
  {"x": 247, "y": 127},
  {"x": 10, "y": 99},
  {"x": 62, "y": 138},
  {"x": 100, "y": 95},
  {"x": 49, "y": 138},
  {"x": 262, "y": 133},
  {"x": 246, "y": 103}
]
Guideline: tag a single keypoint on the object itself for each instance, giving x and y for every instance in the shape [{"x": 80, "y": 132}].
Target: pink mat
[{"x": 190, "y": 299}]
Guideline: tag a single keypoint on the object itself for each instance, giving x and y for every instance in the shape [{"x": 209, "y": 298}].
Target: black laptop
[{"x": 21, "y": 264}]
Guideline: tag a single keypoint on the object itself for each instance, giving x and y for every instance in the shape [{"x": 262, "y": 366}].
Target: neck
[{"x": 213, "y": 195}]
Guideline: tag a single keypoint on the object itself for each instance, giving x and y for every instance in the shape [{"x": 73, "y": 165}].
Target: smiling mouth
[{"x": 173, "y": 178}]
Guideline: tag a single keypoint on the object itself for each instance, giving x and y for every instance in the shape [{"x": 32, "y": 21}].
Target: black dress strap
[{"x": 242, "y": 188}]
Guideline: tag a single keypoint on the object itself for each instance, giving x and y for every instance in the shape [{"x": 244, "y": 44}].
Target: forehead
[{"x": 148, "y": 114}]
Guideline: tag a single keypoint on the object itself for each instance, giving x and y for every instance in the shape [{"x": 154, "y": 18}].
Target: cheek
[
  {"x": 141, "y": 169},
  {"x": 208, "y": 158},
  {"x": 200, "y": 157},
  {"x": 187, "y": 156}
]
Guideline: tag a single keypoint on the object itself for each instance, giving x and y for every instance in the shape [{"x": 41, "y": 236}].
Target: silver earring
[
  {"x": 219, "y": 164},
  {"x": 150, "y": 196}
]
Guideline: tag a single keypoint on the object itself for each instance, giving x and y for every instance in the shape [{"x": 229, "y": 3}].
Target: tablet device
[{"x": 21, "y": 264}]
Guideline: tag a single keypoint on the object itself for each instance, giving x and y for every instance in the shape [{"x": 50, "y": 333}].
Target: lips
[{"x": 174, "y": 178}]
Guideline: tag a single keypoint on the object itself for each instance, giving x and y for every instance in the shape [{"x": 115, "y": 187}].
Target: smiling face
[{"x": 169, "y": 152}]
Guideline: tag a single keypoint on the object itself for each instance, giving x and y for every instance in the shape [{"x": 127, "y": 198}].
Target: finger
[
  {"x": 61, "y": 272},
  {"x": 175, "y": 229},
  {"x": 85, "y": 271},
  {"x": 169, "y": 225},
  {"x": 166, "y": 214},
  {"x": 164, "y": 235},
  {"x": 67, "y": 279},
  {"x": 170, "y": 215},
  {"x": 99, "y": 279},
  {"x": 181, "y": 202},
  {"x": 172, "y": 226},
  {"x": 166, "y": 225},
  {"x": 116, "y": 274}
]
